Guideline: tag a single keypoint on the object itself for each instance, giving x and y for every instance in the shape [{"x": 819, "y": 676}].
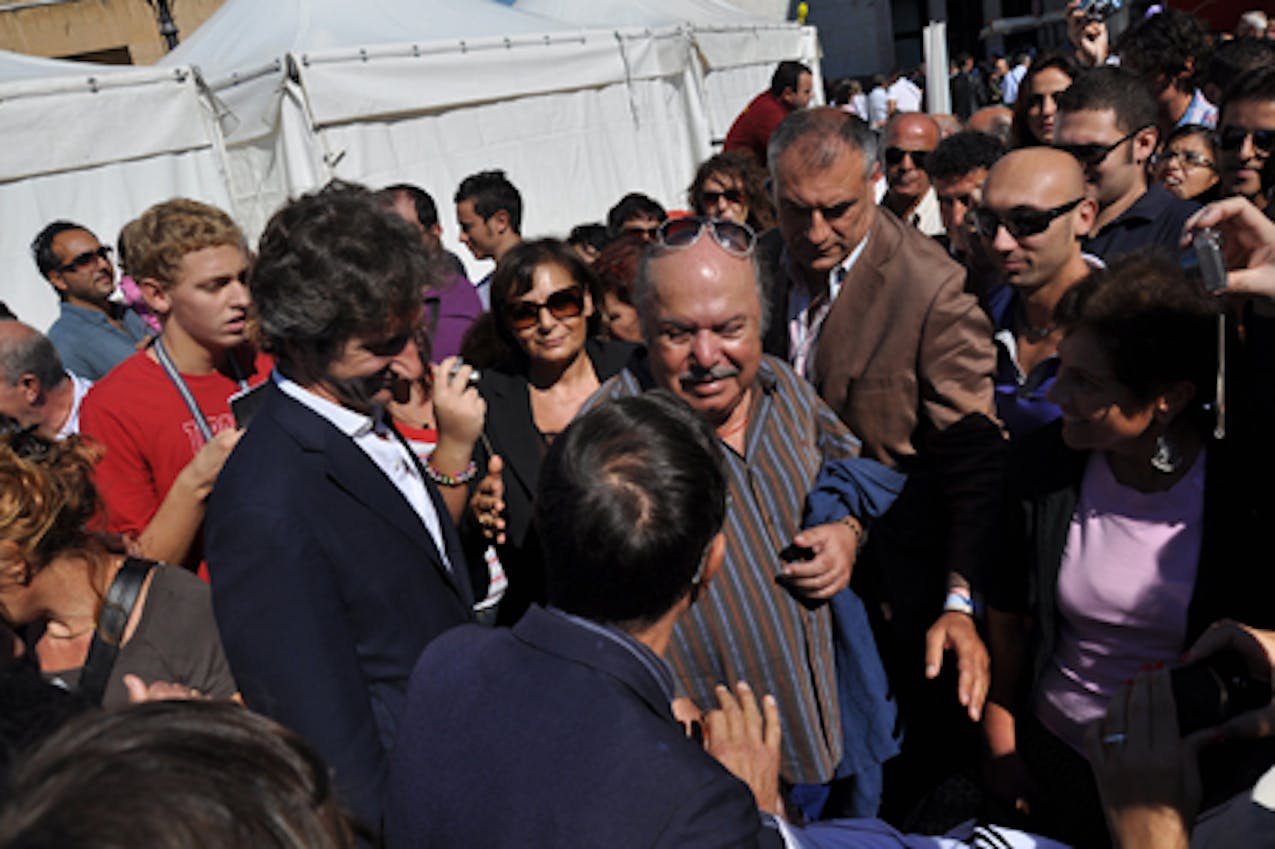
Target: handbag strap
[{"x": 121, "y": 598}]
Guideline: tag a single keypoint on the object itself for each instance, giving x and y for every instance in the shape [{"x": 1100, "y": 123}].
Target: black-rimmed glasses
[
  {"x": 79, "y": 261},
  {"x": 1020, "y": 222},
  {"x": 680, "y": 233}
]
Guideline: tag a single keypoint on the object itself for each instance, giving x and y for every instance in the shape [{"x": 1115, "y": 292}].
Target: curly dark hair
[
  {"x": 744, "y": 170},
  {"x": 1170, "y": 43}
]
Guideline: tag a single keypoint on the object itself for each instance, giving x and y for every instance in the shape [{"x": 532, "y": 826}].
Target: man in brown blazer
[{"x": 875, "y": 315}]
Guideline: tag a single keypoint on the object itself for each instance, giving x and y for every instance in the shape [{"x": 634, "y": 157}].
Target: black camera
[{"x": 1215, "y": 689}]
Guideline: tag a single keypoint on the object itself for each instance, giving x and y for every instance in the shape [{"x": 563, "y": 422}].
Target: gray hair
[
  {"x": 28, "y": 353},
  {"x": 830, "y": 132},
  {"x": 644, "y": 294}
]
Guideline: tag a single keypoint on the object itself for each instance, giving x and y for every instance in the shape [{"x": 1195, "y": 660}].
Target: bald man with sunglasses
[
  {"x": 92, "y": 334},
  {"x": 1033, "y": 215}
]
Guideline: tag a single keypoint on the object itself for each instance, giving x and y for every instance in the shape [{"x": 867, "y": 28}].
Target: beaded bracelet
[{"x": 443, "y": 479}]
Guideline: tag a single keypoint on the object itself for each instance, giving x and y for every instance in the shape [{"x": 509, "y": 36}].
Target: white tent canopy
[{"x": 95, "y": 144}]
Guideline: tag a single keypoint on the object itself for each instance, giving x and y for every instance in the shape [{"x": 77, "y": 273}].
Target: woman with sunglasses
[
  {"x": 545, "y": 315},
  {"x": 1128, "y": 531},
  {"x": 732, "y": 186},
  {"x": 1187, "y": 164},
  {"x": 73, "y": 595},
  {"x": 1036, "y": 107}
]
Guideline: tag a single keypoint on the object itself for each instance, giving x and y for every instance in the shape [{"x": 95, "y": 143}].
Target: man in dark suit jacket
[
  {"x": 560, "y": 732},
  {"x": 333, "y": 560},
  {"x": 875, "y": 315}
]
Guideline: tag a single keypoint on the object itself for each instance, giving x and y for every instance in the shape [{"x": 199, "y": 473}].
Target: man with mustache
[
  {"x": 92, "y": 334},
  {"x": 163, "y": 414},
  {"x": 770, "y": 618},
  {"x": 332, "y": 556}
]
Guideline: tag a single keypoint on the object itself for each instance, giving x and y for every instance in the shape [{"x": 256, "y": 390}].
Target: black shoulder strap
[{"x": 120, "y": 600}]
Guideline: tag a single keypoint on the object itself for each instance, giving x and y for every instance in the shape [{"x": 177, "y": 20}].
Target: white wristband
[{"x": 958, "y": 603}]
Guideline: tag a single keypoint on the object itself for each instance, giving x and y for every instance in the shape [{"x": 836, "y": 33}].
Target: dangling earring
[{"x": 1167, "y": 458}]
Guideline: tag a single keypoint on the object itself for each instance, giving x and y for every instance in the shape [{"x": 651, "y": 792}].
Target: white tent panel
[
  {"x": 625, "y": 13},
  {"x": 740, "y": 62},
  {"x": 20, "y": 66}
]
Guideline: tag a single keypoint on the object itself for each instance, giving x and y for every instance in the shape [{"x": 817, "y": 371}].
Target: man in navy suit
[
  {"x": 559, "y": 732},
  {"x": 332, "y": 557}
]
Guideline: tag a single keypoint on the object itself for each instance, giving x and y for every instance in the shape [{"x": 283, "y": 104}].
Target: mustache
[{"x": 702, "y": 375}]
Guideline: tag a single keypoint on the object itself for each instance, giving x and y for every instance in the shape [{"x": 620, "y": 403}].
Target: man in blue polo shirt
[
  {"x": 92, "y": 334},
  {"x": 1107, "y": 121}
]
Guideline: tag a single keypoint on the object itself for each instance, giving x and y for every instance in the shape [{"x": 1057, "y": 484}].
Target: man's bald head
[
  {"x": 908, "y": 138},
  {"x": 1044, "y": 176},
  {"x": 993, "y": 120}
]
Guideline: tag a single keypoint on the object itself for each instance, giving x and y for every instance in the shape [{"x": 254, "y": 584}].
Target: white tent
[
  {"x": 428, "y": 91},
  {"x": 95, "y": 144}
]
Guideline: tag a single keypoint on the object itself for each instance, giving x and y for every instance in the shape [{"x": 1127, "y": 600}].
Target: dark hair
[
  {"x": 1155, "y": 324},
  {"x": 42, "y": 245},
  {"x": 333, "y": 265},
  {"x": 422, "y": 201},
  {"x": 1257, "y": 84},
  {"x": 32, "y": 354},
  {"x": 617, "y": 266},
  {"x": 1020, "y": 134},
  {"x": 594, "y": 235},
  {"x": 513, "y": 278},
  {"x": 1163, "y": 44},
  {"x": 1197, "y": 130},
  {"x": 833, "y": 129},
  {"x": 961, "y": 153},
  {"x": 491, "y": 192},
  {"x": 786, "y": 76},
  {"x": 633, "y": 205},
  {"x": 170, "y": 775},
  {"x": 1123, "y": 92},
  {"x": 1238, "y": 56},
  {"x": 630, "y": 496},
  {"x": 742, "y": 168}
]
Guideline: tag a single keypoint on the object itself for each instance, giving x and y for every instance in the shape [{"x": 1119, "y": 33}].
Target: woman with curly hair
[{"x": 732, "y": 186}]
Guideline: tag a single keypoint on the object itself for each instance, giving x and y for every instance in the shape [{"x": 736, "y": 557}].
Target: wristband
[
  {"x": 443, "y": 479},
  {"x": 958, "y": 603}
]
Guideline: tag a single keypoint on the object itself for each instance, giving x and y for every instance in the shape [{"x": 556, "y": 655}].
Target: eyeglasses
[
  {"x": 564, "y": 303},
  {"x": 1190, "y": 159},
  {"x": 680, "y": 233},
  {"x": 81, "y": 260},
  {"x": 1232, "y": 137},
  {"x": 1092, "y": 155},
  {"x": 894, "y": 156},
  {"x": 1020, "y": 222},
  {"x": 731, "y": 196}
]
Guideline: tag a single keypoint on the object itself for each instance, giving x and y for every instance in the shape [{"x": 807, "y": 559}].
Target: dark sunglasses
[
  {"x": 894, "y": 156},
  {"x": 680, "y": 233},
  {"x": 1231, "y": 137},
  {"x": 1091, "y": 155},
  {"x": 731, "y": 196},
  {"x": 564, "y": 303},
  {"x": 1020, "y": 222},
  {"x": 79, "y": 261}
]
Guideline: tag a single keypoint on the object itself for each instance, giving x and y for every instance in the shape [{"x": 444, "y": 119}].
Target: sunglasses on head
[
  {"x": 1232, "y": 137},
  {"x": 1091, "y": 155},
  {"x": 81, "y": 260},
  {"x": 1020, "y": 222},
  {"x": 680, "y": 233},
  {"x": 564, "y": 303},
  {"x": 894, "y": 156},
  {"x": 731, "y": 196}
]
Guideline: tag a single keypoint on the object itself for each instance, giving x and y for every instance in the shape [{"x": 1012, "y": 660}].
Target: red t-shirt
[
  {"x": 149, "y": 434},
  {"x": 751, "y": 130}
]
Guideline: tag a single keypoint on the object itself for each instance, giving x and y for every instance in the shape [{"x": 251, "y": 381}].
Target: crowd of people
[{"x": 902, "y": 489}]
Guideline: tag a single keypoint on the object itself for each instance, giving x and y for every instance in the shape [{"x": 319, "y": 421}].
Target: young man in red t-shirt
[{"x": 163, "y": 415}]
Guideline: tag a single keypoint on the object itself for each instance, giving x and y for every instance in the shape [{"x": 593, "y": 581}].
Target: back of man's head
[
  {"x": 963, "y": 153},
  {"x": 630, "y": 496},
  {"x": 826, "y": 132},
  {"x": 786, "y": 76},
  {"x": 491, "y": 192},
  {"x": 1167, "y": 48},
  {"x": 332, "y": 266},
  {"x": 156, "y": 241},
  {"x": 1110, "y": 88},
  {"x": 42, "y": 245},
  {"x": 422, "y": 202},
  {"x": 25, "y": 350}
]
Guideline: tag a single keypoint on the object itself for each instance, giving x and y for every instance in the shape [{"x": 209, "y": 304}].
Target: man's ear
[
  {"x": 499, "y": 221},
  {"x": 437, "y": 229},
  {"x": 1086, "y": 214},
  {"x": 31, "y": 388},
  {"x": 55, "y": 280},
  {"x": 1145, "y": 143},
  {"x": 1174, "y": 399},
  {"x": 155, "y": 296},
  {"x": 714, "y": 559}
]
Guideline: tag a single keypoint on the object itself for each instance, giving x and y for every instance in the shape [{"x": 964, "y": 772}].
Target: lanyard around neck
[{"x": 166, "y": 363}]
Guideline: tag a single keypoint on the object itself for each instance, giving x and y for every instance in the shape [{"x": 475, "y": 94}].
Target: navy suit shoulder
[
  {"x": 551, "y": 735},
  {"x": 326, "y": 587}
]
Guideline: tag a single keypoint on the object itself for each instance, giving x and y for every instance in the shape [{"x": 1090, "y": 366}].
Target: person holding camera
[{"x": 1128, "y": 531}]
